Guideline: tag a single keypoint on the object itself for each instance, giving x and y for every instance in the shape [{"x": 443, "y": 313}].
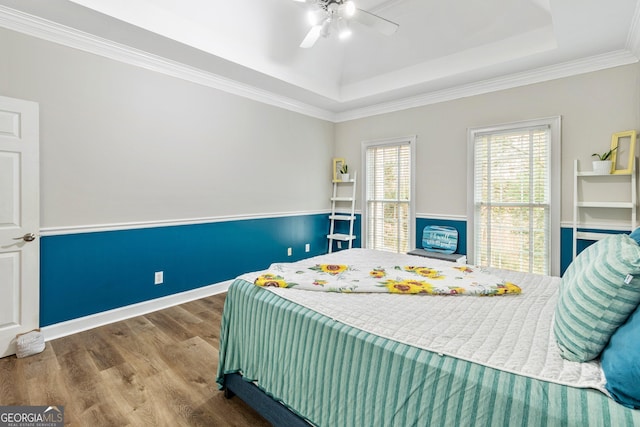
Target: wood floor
[{"x": 152, "y": 370}]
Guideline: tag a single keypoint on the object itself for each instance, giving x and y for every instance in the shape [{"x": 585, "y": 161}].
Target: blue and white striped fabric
[
  {"x": 336, "y": 375},
  {"x": 599, "y": 290}
]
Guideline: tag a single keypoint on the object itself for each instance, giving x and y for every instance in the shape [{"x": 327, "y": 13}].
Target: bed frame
[{"x": 274, "y": 412}]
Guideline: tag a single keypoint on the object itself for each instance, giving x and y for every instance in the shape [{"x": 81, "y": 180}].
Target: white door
[{"x": 19, "y": 221}]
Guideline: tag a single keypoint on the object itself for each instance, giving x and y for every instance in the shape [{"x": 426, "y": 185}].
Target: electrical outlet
[
  {"x": 289, "y": 251},
  {"x": 158, "y": 278},
  {"x": 307, "y": 247}
]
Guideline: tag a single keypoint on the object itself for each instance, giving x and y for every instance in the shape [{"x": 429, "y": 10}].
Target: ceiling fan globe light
[
  {"x": 344, "y": 32},
  {"x": 349, "y": 8},
  {"x": 314, "y": 17}
]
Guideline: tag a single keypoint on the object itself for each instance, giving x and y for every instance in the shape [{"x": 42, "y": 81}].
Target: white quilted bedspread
[{"x": 512, "y": 333}]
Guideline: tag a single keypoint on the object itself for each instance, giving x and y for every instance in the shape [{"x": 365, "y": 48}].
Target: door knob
[{"x": 29, "y": 237}]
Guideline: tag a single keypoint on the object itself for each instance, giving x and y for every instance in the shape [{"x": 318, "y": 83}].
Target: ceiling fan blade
[
  {"x": 312, "y": 37},
  {"x": 376, "y": 22}
]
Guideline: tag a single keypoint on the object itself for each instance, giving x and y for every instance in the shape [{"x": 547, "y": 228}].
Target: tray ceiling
[{"x": 440, "y": 46}]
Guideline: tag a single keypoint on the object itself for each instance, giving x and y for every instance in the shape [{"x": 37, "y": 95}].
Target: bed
[{"x": 384, "y": 359}]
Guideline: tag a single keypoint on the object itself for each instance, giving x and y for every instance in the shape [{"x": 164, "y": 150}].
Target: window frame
[
  {"x": 555, "y": 206},
  {"x": 365, "y": 145}
]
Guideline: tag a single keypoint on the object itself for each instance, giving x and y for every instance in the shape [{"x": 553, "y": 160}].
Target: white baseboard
[{"x": 74, "y": 326}]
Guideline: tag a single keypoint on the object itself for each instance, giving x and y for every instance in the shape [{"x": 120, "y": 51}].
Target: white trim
[
  {"x": 441, "y": 216},
  {"x": 80, "y": 324},
  {"x": 538, "y": 75},
  {"x": 71, "y": 37},
  {"x": 597, "y": 226},
  {"x": 47, "y": 30},
  {"x": 94, "y": 228},
  {"x": 563, "y": 224}
]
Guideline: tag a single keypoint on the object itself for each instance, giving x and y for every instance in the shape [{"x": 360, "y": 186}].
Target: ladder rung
[
  {"x": 340, "y": 236},
  {"x": 342, "y": 199},
  {"x": 604, "y": 205},
  {"x": 342, "y": 217}
]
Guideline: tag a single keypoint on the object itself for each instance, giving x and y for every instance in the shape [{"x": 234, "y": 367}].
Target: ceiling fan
[{"x": 325, "y": 15}]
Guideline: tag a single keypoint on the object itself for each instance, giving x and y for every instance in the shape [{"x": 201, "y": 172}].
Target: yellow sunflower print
[
  {"x": 431, "y": 273},
  {"x": 377, "y": 273},
  {"x": 508, "y": 288},
  {"x": 333, "y": 269},
  {"x": 408, "y": 287},
  {"x": 271, "y": 280}
]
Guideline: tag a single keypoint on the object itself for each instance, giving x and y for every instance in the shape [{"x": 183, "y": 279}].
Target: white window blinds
[
  {"x": 388, "y": 196},
  {"x": 512, "y": 199}
]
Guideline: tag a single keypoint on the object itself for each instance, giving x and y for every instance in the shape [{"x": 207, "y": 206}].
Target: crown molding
[
  {"x": 70, "y": 37},
  {"x": 633, "y": 38},
  {"x": 67, "y": 36},
  {"x": 538, "y": 75}
]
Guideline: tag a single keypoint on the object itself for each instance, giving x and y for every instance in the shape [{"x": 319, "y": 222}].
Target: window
[
  {"x": 389, "y": 213},
  {"x": 514, "y": 196}
]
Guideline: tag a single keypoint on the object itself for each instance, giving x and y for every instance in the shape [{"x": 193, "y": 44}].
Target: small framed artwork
[
  {"x": 337, "y": 165},
  {"x": 624, "y": 146}
]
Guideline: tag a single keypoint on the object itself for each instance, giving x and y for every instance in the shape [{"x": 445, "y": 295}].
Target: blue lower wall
[{"x": 88, "y": 273}]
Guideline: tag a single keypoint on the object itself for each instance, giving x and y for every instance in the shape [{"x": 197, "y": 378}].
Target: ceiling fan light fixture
[
  {"x": 315, "y": 16},
  {"x": 349, "y": 8},
  {"x": 344, "y": 31},
  {"x": 326, "y": 14}
]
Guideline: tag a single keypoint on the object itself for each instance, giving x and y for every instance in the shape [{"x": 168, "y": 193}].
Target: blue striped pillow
[{"x": 599, "y": 290}]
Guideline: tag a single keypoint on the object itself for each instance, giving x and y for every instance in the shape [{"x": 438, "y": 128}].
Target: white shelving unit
[
  {"x": 629, "y": 204},
  {"x": 341, "y": 203}
]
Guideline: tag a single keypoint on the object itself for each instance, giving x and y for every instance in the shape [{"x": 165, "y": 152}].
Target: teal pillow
[
  {"x": 598, "y": 292},
  {"x": 621, "y": 362}
]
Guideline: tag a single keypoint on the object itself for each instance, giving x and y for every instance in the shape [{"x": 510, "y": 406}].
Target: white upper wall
[
  {"x": 122, "y": 144},
  {"x": 592, "y": 106}
]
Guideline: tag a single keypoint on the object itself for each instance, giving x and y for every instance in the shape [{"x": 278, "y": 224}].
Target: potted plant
[
  {"x": 344, "y": 172},
  {"x": 603, "y": 165}
]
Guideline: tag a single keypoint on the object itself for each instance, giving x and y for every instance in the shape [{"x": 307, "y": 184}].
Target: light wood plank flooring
[{"x": 153, "y": 370}]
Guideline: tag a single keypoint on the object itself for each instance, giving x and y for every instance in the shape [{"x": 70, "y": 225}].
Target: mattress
[{"x": 334, "y": 360}]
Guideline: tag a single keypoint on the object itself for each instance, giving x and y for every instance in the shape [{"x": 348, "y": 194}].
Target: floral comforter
[{"x": 401, "y": 279}]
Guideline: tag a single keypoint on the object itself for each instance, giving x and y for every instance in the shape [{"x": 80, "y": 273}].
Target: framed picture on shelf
[
  {"x": 337, "y": 165},
  {"x": 624, "y": 146}
]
